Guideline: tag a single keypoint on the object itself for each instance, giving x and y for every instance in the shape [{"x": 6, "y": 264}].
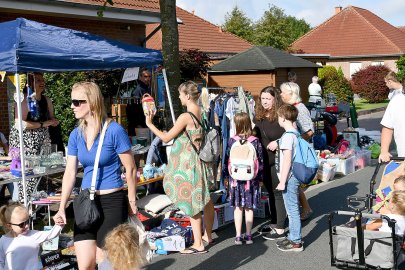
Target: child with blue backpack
[
  {"x": 244, "y": 157},
  {"x": 289, "y": 184}
]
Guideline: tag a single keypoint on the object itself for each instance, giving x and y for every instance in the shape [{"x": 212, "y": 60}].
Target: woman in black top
[{"x": 269, "y": 131}]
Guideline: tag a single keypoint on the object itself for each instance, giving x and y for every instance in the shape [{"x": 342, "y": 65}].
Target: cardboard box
[
  {"x": 119, "y": 109},
  {"x": 171, "y": 243},
  {"x": 223, "y": 215},
  {"x": 119, "y": 114}
]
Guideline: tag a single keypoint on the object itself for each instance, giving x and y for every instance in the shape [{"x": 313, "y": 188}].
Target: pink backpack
[{"x": 243, "y": 164}]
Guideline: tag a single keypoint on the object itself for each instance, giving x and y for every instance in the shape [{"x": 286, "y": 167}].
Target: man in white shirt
[{"x": 393, "y": 120}]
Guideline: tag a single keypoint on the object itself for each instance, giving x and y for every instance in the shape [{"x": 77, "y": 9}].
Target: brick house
[
  {"x": 197, "y": 33},
  {"x": 352, "y": 39},
  {"x": 125, "y": 21}
]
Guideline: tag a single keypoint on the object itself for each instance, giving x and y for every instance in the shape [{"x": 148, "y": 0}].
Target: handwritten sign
[{"x": 130, "y": 74}]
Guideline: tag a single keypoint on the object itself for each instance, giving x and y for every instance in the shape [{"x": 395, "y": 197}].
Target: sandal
[
  {"x": 193, "y": 251},
  {"x": 306, "y": 215}
]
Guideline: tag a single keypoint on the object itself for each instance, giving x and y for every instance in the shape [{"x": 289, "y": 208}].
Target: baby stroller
[{"x": 352, "y": 247}]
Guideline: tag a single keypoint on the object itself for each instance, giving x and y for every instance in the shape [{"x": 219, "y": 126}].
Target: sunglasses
[
  {"x": 22, "y": 224},
  {"x": 78, "y": 102}
]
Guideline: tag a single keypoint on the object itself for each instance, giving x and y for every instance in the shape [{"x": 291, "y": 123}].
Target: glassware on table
[
  {"x": 46, "y": 150},
  {"x": 54, "y": 148}
]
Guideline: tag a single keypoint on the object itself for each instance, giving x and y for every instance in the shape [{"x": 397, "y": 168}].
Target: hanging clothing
[
  {"x": 232, "y": 108},
  {"x": 243, "y": 101}
]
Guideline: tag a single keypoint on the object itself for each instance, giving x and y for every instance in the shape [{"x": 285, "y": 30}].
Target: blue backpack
[{"x": 305, "y": 162}]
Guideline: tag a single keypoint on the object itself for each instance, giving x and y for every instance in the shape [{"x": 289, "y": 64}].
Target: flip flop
[{"x": 193, "y": 251}]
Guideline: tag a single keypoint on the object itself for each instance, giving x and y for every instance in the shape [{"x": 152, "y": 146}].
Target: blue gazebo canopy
[{"x": 32, "y": 46}]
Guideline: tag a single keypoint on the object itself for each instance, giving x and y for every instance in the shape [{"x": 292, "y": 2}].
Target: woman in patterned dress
[
  {"x": 187, "y": 178},
  {"x": 36, "y": 125}
]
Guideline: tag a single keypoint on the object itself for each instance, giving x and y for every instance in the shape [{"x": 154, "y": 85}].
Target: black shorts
[{"x": 114, "y": 211}]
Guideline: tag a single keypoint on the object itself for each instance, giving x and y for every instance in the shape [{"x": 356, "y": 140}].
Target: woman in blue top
[{"x": 88, "y": 107}]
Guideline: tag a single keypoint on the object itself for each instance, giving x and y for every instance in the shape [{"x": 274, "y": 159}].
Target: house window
[
  {"x": 354, "y": 67},
  {"x": 377, "y": 63}
]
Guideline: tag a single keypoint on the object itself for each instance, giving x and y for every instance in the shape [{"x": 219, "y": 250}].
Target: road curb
[{"x": 364, "y": 112}]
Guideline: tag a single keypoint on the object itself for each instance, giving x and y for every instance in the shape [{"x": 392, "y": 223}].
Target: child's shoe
[
  {"x": 238, "y": 240},
  {"x": 248, "y": 239}
]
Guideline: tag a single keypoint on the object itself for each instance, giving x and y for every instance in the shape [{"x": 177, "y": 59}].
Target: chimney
[
  {"x": 220, "y": 29},
  {"x": 338, "y": 9},
  {"x": 193, "y": 11}
]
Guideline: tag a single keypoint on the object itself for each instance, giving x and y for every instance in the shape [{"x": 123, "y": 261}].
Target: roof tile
[
  {"x": 353, "y": 31},
  {"x": 197, "y": 33},
  {"x": 146, "y": 5}
]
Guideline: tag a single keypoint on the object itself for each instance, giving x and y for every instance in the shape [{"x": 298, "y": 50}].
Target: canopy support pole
[
  {"x": 169, "y": 97},
  {"x": 20, "y": 133}
]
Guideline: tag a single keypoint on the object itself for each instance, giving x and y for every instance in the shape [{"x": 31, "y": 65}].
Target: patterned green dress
[{"x": 187, "y": 179}]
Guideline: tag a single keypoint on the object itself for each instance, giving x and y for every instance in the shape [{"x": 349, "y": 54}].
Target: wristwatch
[{"x": 42, "y": 124}]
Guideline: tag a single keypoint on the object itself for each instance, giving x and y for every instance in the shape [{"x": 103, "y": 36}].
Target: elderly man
[{"x": 393, "y": 120}]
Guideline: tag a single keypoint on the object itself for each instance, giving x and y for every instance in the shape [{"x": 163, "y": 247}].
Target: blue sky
[{"x": 313, "y": 11}]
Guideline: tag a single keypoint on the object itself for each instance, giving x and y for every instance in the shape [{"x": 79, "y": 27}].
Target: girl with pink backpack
[{"x": 244, "y": 157}]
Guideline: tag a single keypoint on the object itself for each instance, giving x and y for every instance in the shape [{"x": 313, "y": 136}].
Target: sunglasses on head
[
  {"x": 22, "y": 224},
  {"x": 78, "y": 102}
]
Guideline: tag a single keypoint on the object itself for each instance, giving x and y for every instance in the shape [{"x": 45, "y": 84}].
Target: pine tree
[{"x": 237, "y": 23}]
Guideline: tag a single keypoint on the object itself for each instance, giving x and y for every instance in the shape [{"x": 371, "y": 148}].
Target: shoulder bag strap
[
  {"x": 95, "y": 169},
  {"x": 188, "y": 136},
  {"x": 196, "y": 119}
]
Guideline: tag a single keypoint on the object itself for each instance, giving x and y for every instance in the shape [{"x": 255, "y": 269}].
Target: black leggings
[
  {"x": 278, "y": 213},
  {"x": 114, "y": 211}
]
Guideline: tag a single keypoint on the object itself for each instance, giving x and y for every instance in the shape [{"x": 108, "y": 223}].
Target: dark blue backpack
[{"x": 305, "y": 162}]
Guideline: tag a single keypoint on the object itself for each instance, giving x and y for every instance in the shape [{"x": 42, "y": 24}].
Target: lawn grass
[{"x": 363, "y": 104}]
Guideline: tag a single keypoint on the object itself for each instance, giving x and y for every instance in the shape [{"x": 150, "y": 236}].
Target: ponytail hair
[{"x": 5, "y": 213}]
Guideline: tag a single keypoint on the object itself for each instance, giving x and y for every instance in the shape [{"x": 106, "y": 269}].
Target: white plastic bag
[{"x": 143, "y": 241}]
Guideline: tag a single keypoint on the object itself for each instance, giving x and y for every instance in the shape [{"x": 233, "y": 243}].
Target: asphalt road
[{"x": 263, "y": 254}]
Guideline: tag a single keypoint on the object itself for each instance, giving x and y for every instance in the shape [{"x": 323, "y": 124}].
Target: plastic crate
[{"x": 326, "y": 172}]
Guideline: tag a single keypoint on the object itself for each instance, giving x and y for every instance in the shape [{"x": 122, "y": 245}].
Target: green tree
[
  {"x": 333, "y": 81},
  {"x": 277, "y": 29},
  {"x": 58, "y": 88},
  {"x": 237, "y": 23},
  {"x": 401, "y": 67}
]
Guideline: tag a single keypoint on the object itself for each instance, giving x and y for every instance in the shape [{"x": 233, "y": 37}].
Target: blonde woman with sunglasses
[{"x": 111, "y": 199}]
